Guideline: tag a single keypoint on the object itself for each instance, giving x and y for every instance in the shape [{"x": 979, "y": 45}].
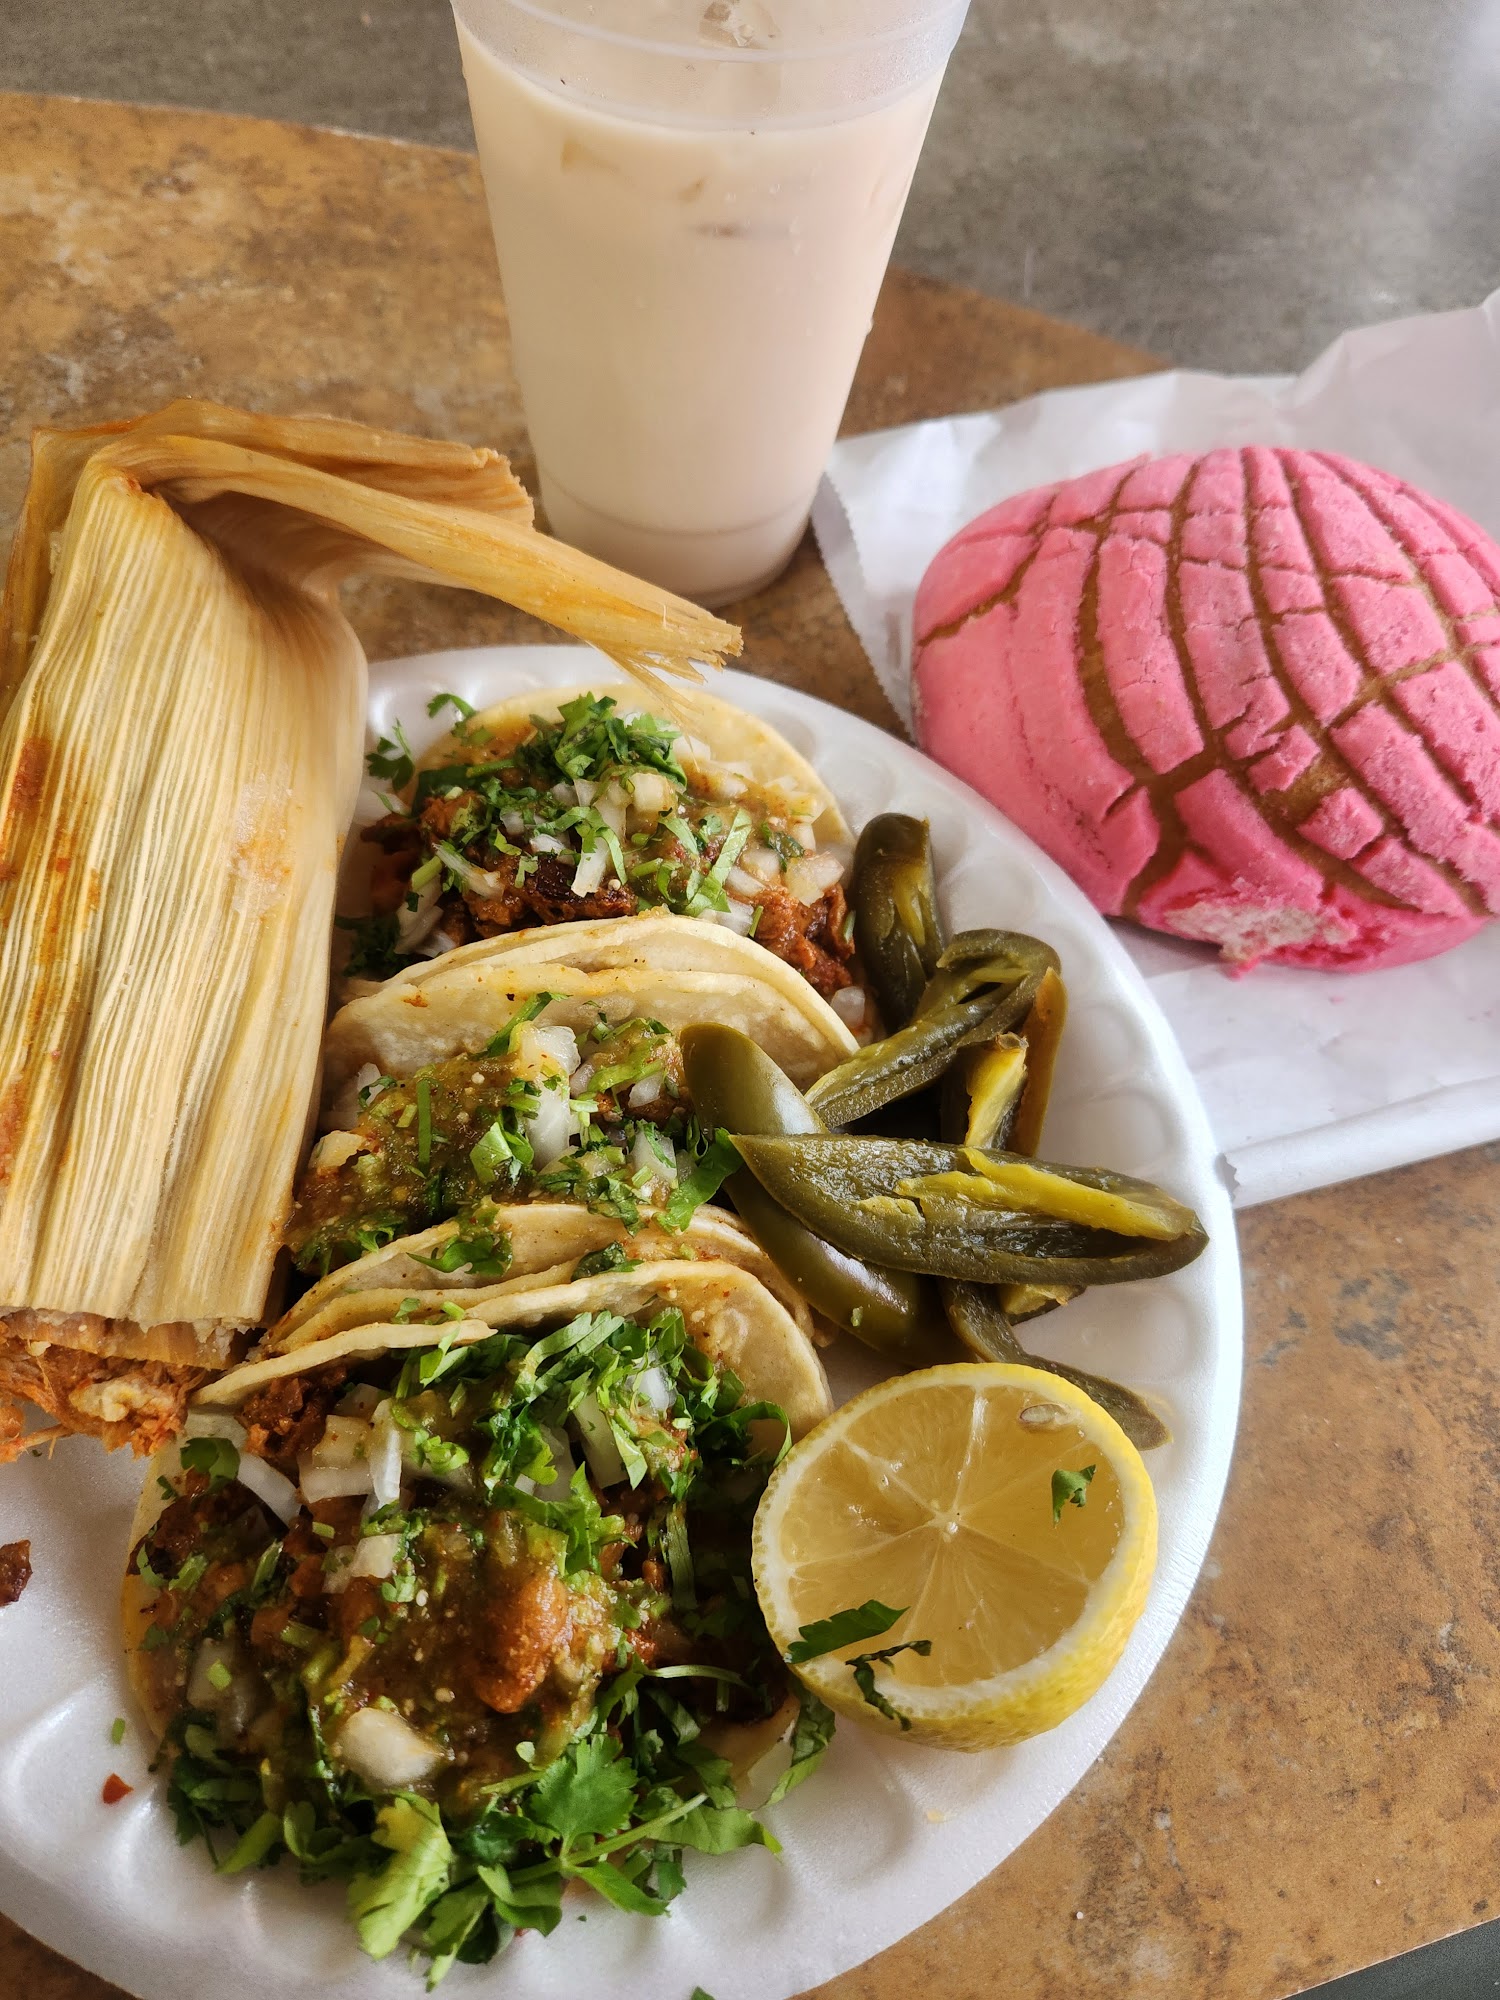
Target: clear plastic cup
[{"x": 694, "y": 203}]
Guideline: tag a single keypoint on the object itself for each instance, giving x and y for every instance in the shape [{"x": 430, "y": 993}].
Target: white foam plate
[{"x": 886, "y": 1835}]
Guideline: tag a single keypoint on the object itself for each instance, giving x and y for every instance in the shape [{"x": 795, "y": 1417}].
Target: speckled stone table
[{"x": 1309, "y": 1782}]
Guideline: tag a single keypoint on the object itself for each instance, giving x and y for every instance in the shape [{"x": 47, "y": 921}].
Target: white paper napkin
[{"x": 1309, "y": 1077}]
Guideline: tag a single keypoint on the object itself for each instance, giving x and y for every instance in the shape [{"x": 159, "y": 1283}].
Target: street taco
[
  {"x": 516, "y": 1243},
  {"x": 515, "y": 1077},
  {"x": 462, "y": 1612},
  {"x": 553, "y": 809},
  {"x": 661, "y": 967}
]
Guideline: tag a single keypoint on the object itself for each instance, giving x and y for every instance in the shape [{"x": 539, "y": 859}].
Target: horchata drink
[{"x": 693, "y": 203}]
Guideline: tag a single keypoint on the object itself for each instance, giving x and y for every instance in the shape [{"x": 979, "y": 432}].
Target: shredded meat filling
[
  {"x": 809, "y": 937},
  {"x": 287, "y": 1416},
  {"x": 121, "y": 1401}
]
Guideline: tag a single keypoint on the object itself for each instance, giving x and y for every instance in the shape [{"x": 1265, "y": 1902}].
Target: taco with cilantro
[
  {"x": 499, "y": 1244},
  {"x": 459, "y": 1610},
  {"x": 576, "y": 807},
  {"x": 456, "y": 1099}
]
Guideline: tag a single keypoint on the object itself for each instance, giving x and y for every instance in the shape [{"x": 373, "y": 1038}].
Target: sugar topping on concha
[{"x": 1250, "y": 698}]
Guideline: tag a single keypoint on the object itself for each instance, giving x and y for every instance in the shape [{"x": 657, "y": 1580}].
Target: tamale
[{"x": 181, "y": 726}]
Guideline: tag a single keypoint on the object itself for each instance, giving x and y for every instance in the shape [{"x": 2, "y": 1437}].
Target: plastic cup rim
[{"x": 696, "y": 52}]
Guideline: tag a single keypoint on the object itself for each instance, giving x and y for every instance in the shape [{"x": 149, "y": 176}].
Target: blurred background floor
[{"x": 1229, "y": 183}]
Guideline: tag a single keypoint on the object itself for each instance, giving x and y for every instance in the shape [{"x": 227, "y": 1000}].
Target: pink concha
[{"x": 1251, "y": 698}]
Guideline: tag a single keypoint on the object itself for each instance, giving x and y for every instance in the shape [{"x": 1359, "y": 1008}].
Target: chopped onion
[
  {"x": 437, "y": 944},
  {"x": 649, "y": 1155},
  {"x": 645, "y": 1092},
  {"x": 811, "y": 876},
  {"x": 345, "y": 1441},
  {"x": 332, "y": 1482},
  {"x": 333, "y": 1151},
  {"x": 413, "y": 925},
  {"x": 612, "y": 806},
  {"x": 477, "y": 881},
  {"x": 372, "y": 1556},
  {"x": 580, "y": 1080},
  {"x": 740, "y": 882},
  {"x": 202, "y": 1690},
  {"x": 385, "y": 1458},
  {"x": 514, "y": 825},
  {"x": 598, "y": 1441},
  {"x": 723, "y": 784},
  {"x": 214, "y": 1424},
  {"x": 548, "y": 843},
  {"x": 269, "y": 1485},
  {"x": 365, "y": 1075},
  {"x": 652, "y": 1388},
  {"x": 849, "y": 1005},
  {"x": 739, "y": 917},
  {"x": 582, "y": 789},
  {"x": 361, "y": 1401},
  {"x": 235, "y": 1701},
  {"x": 562, "y": 1458},
  {"x": 652, "y": 793},
  {"x": 762, "y": 862},
  {"x": 385, "y": 1750},
  {"x": 589, "y": 873},
  {"x": 558, "y": 1042},
  {"x": 550, "y": 1129}
]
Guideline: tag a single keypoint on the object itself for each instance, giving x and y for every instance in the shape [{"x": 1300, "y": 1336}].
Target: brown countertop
[{"x": 1306, "y": 1785}]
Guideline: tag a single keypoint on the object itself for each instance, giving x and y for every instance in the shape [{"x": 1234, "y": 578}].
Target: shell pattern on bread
[{"x": 1250, "y": 698}]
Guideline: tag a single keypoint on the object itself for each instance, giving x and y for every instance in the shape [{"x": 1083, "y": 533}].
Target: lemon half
[{"x": 934, "y": 1493}]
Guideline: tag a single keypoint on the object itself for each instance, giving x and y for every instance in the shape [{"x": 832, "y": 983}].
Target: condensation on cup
[{"x": 693, "y": 204}]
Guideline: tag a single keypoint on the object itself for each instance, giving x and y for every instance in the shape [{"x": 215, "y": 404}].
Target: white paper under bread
[
  {"x": 1309, "y": 1077},
  {"x": 887, "y": 1835}
]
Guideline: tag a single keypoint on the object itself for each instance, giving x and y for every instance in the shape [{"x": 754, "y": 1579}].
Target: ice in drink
[{"x": 688, "y": 295}]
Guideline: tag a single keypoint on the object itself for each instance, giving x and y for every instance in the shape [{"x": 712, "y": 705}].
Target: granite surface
[
  {"x": 1308, "y": 1782},
  {"x": 1230, "y": 185}
]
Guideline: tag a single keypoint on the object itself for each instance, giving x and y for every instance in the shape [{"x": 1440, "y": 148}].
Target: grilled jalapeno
[
  {"x": 1020, "y": 1303},
  {"x": 985, "y": 984},
  {"x": 982, "y": 1092},
  {"x": 958, "y": 1212},
  {"x": 897, "y": 932},
  {"x": 975, "y": 1316},
  {"x": 735, "y": 1084},
  {"x": 1041, "y": 1031}
]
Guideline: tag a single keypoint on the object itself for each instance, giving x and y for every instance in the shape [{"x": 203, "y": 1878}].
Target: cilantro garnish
[
  {"x": 627, "y": 1791},
  {"x": 783, "y": 845},
  {"x": 475, "y": 1247},
  {"x": 376, "y": 952},
  {"x": 864, "y": 1665},
  {"x": 463, "y": 709},
  {"x": 1070, "y": 1489},
  {"x": 608, "y": 1257},
  {"x": 844, "y": 1628},
  {"x": 811, "y": 1737},
  {"x": 717, "y": 1159},
  {"x": 504, "y": 1041},
  {"x": 392, "y": 758},
  {"x": 386, "y": 1904},
  {"x": 117, "y": 1730},
  {"x": 212, "y": 1455},
  {"x": 593, "y": 741}
]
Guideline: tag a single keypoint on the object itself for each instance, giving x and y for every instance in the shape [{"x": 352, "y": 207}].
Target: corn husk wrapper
[{"x": 181, "y": 726}]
